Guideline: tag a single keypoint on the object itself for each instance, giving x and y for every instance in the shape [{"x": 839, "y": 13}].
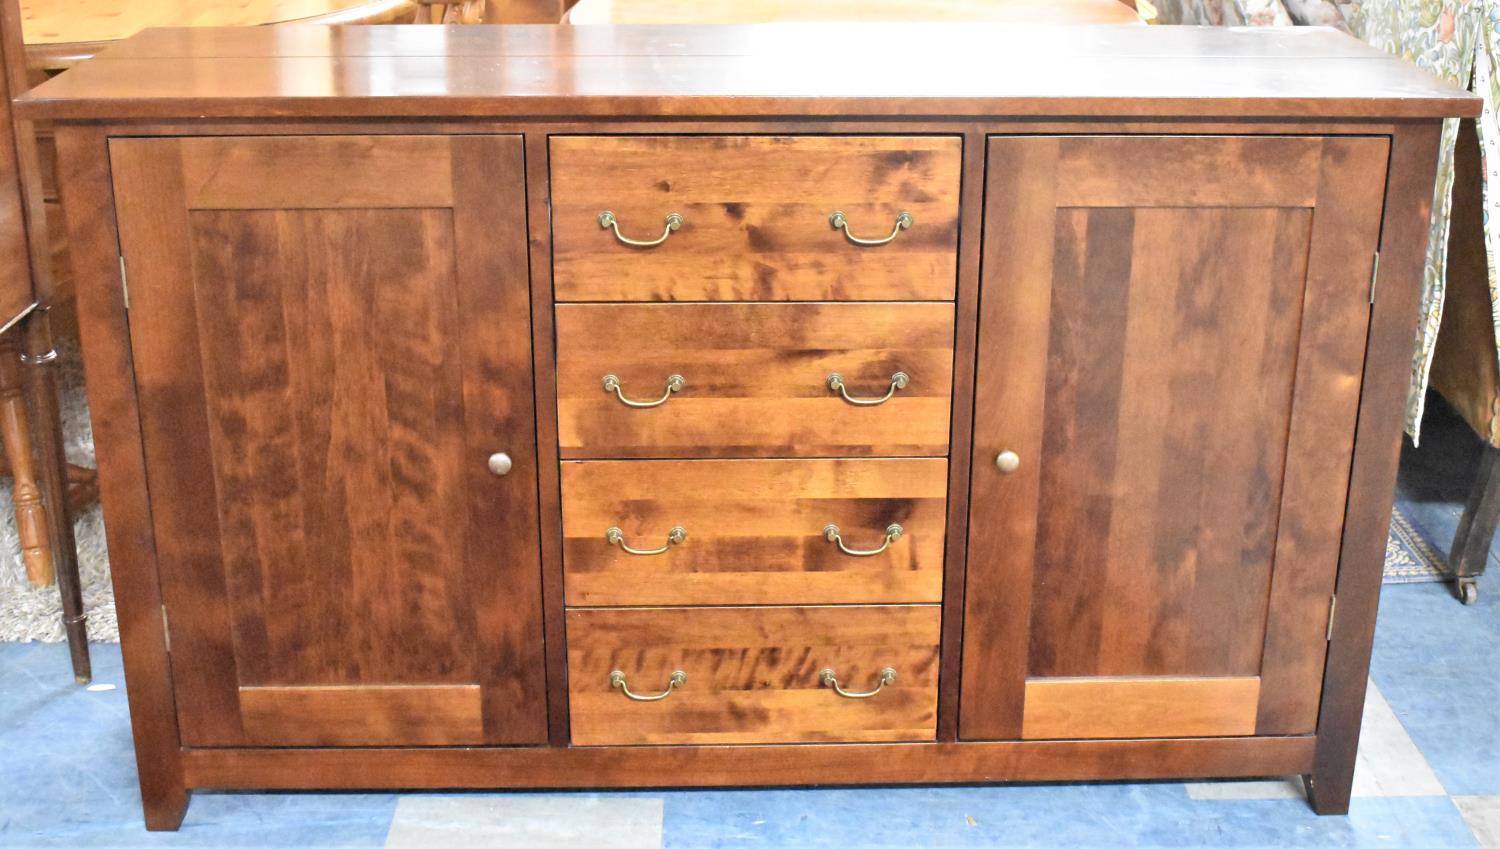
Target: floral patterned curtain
[{"x": 1459, "y": 40}]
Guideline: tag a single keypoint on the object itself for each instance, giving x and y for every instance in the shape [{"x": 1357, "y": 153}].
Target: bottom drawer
[{"x": 752, "y": 674}]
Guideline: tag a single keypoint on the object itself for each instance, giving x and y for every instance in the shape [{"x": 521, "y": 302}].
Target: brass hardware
[
  {"x": 840, "y": 221},
  {"x": 1333, "y": 608},
  {"x": 1374, "y": 275},
  {"x": 674, "y": 383},
  {"x": 607, "y": 221},
  {"x": 676, "y": 536},
  {"x": 893, "y": 532},
  {"x": 1007, "y": 461},
  {"x": 617, "y": 681},
  {"x": 899, "y": 380},
  {"x": 500, "y": 464},
  {"x": 887, "y": 676}
]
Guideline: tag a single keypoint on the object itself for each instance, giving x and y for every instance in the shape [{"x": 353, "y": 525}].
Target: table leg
[
  {"x": 15, "y": 432},
  {"x": 41, "y": 385}
]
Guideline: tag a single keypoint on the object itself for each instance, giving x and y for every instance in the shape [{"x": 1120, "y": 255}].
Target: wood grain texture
[
  {"x": 549, "y": 492},
  {"x": 1377, "y": 446},
  {"x": 19, "y": 181},
  {"x": 1166, "y": 346},
  {"x": 1320, "y": 444},
  {"x": 329, "y": 172},
  {"x": 83, "y": 157},
  {"x": 753, "y": 674},
  {"x": 764, "y": 765},
  {"x": 965, "y": 353},
  {"x": 410, "y": 715},
  {"x": 754, "y": 531},
  {"x": 756, "y": 379},
  {"x": 1099, "y": 708},
  {"x": 947, "y": 70},
  {"x": 325, "y": 516},
  {"x": 755, "y": 213}
]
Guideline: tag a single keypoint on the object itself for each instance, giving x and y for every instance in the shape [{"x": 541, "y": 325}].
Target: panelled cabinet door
[
  {"x": 1171, "y": 342},
  {"x": 331, "y": 339}
]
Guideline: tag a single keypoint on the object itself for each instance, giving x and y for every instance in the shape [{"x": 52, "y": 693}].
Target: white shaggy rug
[{"x": 27, "y": 613}]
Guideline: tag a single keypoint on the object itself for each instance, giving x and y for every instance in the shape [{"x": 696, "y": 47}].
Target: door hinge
[
  {"x": 166, "y": 628},
  {"x": 124, "y": 282},
  {"x": 1374, "y": 275},
  {"x": 1333, "y": 606}
]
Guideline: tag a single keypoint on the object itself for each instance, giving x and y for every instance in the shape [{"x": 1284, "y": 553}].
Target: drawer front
[
  {"x": 756, "y": 217},
  {"x": 754, "y": 531},
  {"x": 754, "y": 379},
  {"x": 752, "y": 674}
]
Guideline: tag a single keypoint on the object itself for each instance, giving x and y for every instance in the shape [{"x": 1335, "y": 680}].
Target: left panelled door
[{"x": 331, "y": 341}]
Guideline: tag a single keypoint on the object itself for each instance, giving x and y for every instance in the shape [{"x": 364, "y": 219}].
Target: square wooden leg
[{"x": 1476, "y": 528}]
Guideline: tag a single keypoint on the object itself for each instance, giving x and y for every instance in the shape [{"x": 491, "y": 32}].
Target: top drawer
[{"x": 756, "y": 217}]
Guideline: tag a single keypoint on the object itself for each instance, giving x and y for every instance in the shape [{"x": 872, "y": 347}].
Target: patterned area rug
[
  {"x": 35, "y": 614},
  {"x": 1410, "y": 557}
]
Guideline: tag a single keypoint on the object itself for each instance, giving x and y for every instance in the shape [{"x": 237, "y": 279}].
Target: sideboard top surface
[{"x": 924, "y": 70}]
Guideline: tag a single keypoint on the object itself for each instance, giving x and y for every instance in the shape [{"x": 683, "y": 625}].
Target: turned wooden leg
[
  {"x": 15, "y": 431},
  {"x": 1476, "y": 528},
  {"x": 52, "y": 466}
]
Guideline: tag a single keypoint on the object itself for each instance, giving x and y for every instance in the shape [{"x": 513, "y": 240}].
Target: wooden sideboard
[{"x": 569, "y": 407}]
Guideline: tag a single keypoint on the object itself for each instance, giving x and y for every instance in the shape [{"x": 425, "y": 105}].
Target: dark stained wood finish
[
  {"x": 945, "y": 71},
  {"x": 1249, "y": 197},
  {"x": 753, "y": 674},
  {"x": 59, "y": 488},
  {"x": 970, "y": 243},
  {"x": 401, "y": 715},
  {"x": 83, "y": 155},
  {"x": 754, "y": 531},
  {"x": 755, "y": 212},
  {"x": 322, "y": 380},
  {"x": 549, "y": 491},
  {"x": 756, "y": 379},
  {"x": 764, "y": 765},
  {"x": 1377, "y": 446},
  {"x": 1163, "y": 521},
  {"x": 1325, "y": 403}
]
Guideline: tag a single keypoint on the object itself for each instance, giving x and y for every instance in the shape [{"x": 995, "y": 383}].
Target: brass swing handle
[
  {"x": 893, "y": 532},
  {"x": 617, "y": 681},
  {"x": 674, "y": 383},
  {"x": 615, "y": 536},
  {"x": 899, "y": 380},
  {"x": 840, "y": 221},
  {"x": 887, "y": 676},
  {"x": 607, "y": 221}
]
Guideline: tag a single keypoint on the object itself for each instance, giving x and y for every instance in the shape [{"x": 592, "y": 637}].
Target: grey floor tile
[
  {"x": 576, "y": 821},
  {"x": 1289, "y": 787},
  {"x": 1482, "y": 813},
  {"x": 1389, "y": 763}
]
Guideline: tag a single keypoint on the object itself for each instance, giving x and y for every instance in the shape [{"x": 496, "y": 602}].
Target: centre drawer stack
[{"x": 754, "y": 376}]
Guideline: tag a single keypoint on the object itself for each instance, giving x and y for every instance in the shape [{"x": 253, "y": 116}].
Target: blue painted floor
[{"x": 1429, "y": 775}]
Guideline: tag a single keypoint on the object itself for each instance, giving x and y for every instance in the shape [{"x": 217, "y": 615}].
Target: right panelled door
[{"x": 1171, "y": 342}]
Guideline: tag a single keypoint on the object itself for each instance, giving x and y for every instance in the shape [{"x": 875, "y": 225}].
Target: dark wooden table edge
[{"x": 563, "y": 108}]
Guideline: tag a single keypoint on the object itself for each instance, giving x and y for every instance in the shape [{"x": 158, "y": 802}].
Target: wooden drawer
[
  {"x": 753, "y": 674},
  {"x": 755, "y": 217},
  {"x": 755, "y": 531},
  {"x": 755, "y": 379}
]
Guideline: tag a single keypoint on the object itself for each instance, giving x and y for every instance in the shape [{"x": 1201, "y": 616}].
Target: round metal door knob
[
  {"x": 1007, "y": 461},
  {"x": 500, "y": 463}
]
